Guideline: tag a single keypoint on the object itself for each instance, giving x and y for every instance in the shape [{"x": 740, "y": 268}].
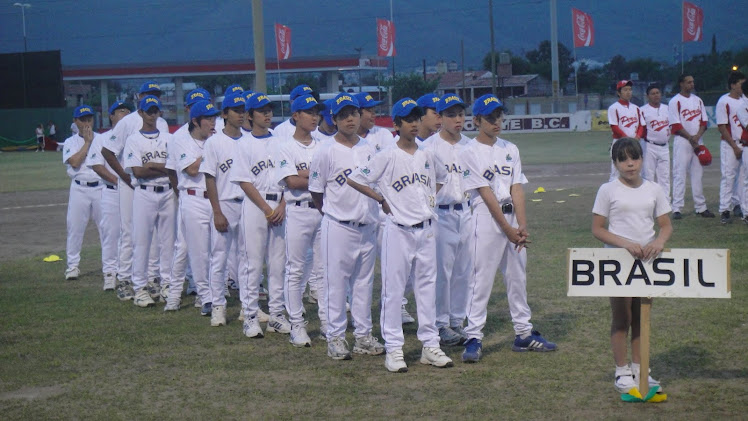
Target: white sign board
[{"x": 681, "y": 273}]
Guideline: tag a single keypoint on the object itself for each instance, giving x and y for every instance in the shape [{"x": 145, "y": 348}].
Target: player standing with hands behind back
[{"x": 630, "y": 206}]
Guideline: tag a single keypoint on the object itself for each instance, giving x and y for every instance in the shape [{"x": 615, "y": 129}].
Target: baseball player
[
  {"x": 688, "y": 119},
  {"x": 499, "y": 226},
  {"x": 657, "y": 136},
  {"x": 405, "y": 176},
  {"x": 625, "y": 119},
  {"x": 85, "y": 189},
  {"x": 288, "y": 127},
  {"x": 326, "y": 129},
  {"x": 114, "y": 156},
  {"x": 731, "y": 188},
  {"x": 154, "y": 199},
  {"x": 231, "y": 89},
  {"x": 302, "y": 225},
  {"x": 431, "y": 121},
  {"x": 109, "y": 199},
  {"x": 263, "y": 215},
  {"x": 348, "y": 232},
  {"x": 454, "y": 239}
]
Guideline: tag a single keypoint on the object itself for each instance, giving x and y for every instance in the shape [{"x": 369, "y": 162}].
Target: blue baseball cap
[
  {"x": 404, "y": 107},
  {"x": 83, "y": 111},
  {"x": 486, "y": 104},
  {"x": 343, "y": 100},
  {"x": 149, "y": 86},
  {"x": 304, "y": 102},
  {"x": 428, "y": 101},
  {"x": 117, "y": 105},
  {"x": 299, "y": 91},
  {"x": 258, "y": 100},
  {"x": 149, "y": 102},
  {"x": 365, "y": 100},
  {"x": 233, "y": 100},
  {"x": 203, "y": 109},
  {"x": 327, "y": 112},
  {"x": 232, "y": 89},
  {"x": 449, "y": 101},
  {"x": 196, "y": 95},
  {"x": 248, "y": 94}
]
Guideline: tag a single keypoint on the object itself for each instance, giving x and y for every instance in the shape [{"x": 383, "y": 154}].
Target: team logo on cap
[
  {"x": 306, "y": 88},
  {"x": 435, "y": 99},
  {"x": 449, "y": 99},
  {"x": 408, "y": 102},
  {"x": 343, "y": 98},
  {"x": 151, "y": 100},
  {"x": 236, "y": 88},
  {"x": 490, "y": 100},
  {"x": 261, "y": 97},
  {"x": 369, "y": 98},
  {"x": 197, "y": 95},
  {"x": 85, "y": 109},
  {"x": 311, "y": 99},
  {"x": 239, "y": 99},
  {"x": 154, "y": 86}
]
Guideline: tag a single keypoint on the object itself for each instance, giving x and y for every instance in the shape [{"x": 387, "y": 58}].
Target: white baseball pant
[
  {"x": 110, "y": 229},
  {"x": 126, "y": 195},
  {"x": 196, "y": 217},
  {"x": 730, "y": 184},
  {"x": 454, "y": 264},
  {"x": 348, "y": 255},
  {"x": 744, "y": 174},
  {"x": 302, "y": 234},
  {"x": 686, "y": 162},
  {"x": 220, "y": 244},
  {"x": 494, "y": 251},
  {"x": 155, "y": 211},
  {"x": 657, "y": 165},
  {"x": 180, "y": 265},
  {"x": 408, "y": 252},
  {"x": 84, "y": 203}
]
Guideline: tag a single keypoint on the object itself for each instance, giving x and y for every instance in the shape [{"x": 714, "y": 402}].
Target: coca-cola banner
[
  {"x": 584, "y": 32},
  {"x": 693, "y": 22},
  {"x": 385, "y": 38},
  {"x": 282, "y": 41}
]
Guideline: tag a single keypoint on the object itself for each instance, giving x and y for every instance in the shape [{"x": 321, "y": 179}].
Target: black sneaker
[
  {"x": 677, "y": 215},
  {"x": 724, "y": 218},
  {"x": 705, "y": 214}
]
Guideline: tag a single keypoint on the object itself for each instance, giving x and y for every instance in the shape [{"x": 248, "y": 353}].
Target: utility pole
[
  {"x": 493, "y": 48},
  {"x": 554, "y": 56},
  {"x": 259, "y": 40}
]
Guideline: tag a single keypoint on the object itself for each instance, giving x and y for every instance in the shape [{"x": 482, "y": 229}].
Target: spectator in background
[
  {"x": 40, "y": 137},
  {"x": 52, "y": 131}
]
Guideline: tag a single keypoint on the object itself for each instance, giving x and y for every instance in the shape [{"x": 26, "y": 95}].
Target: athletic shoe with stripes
[{"x": 533, "y": 342}]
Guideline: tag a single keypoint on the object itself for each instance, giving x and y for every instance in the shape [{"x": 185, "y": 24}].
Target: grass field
[{"x": 69, "y": 350}]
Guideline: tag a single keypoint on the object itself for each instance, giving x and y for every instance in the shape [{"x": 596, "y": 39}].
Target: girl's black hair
[{"x": 626, "y": 148}]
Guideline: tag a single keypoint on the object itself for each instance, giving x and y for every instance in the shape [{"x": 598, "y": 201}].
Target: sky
[{"x": 113, "y": 32}]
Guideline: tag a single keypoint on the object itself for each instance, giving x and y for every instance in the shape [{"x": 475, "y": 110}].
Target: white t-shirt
[
  {"x": 687, "y": 113},
  {"x": 84, "y": 173},
  {"x": 285, "y": 129},
  {"x": 142, "y": 148},
  {"x": 293, "y": 156},
  {"x": 130, "y": 124},
  {"x": 257, "y": 163},
  {"x": 220, "y": 157},
  {"x": 626, "y": 116},
  {"x": 727, "y": 113},
  {"x": 448, "y": 167},
  {"x": 184, "y": 150},
  {"x": 631, "y": 212},
  {"x": 658, "y": 125},
  {"x": 94, "y": 152},
  {"x": 331, "y": 166},
  {"x": 498, "y": 167}
]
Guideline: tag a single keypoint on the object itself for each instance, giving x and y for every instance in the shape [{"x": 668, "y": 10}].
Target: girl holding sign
[{"x": 629, "y": 206}]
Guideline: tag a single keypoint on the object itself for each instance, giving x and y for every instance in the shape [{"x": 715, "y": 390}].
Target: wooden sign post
[{"x": 679, "y": 273}]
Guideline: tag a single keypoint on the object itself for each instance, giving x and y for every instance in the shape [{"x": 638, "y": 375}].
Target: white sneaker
[
  {"x": 252, "y": 328},
  {"x": 173, "y": 305},
  {"x": 154, "y": 289},
  {"x": 198, "y": 302},
  {"x": 110, "y": 282},
  {"x": 218, "y": 316},
  {"x": 278, "y": 324},
  {"x": 436, "y": 357},
  {"x": 164, "y": 293},
  {"x": 624, "y": 379},
  {"x": 407, "y": 318},
  {"x": 368, "y": 345},
  {"x": 299, "y": 338},
  {"x": 395, "y": 362},
  {"x": 262, "y": 316},
  {"x": 143, "y": 299},
  {"x": 72, "y": 274},
  {"x": 337, "y": 349},
  {"x": 652, "y": 382}
]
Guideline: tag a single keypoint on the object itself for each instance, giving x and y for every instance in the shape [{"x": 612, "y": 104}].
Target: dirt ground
[{"x": 33, "y": 223}]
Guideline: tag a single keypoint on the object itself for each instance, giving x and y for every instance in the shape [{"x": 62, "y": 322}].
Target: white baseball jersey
[
  {"x": 498, "y": 167},
  {"x": 727, "y": 113},
  {"x": 285, "y": 129},
  {"x": 658, "y": 125},
  {"x": 331, "y": 166},
  {"x": 380, "y": 138},
  {"x": 257, "y": 157},
  {"x": 94, "y": 152},
  {"x": 686, "y": 113},
  {"x": 220, "y": 155},
  {"x": 323, "y": 137},
  {"x": 142, "y": 148},
  {"x": 131, "y": 123},
  {"x": 448, "y": 167},
  {"x": 406, "y": 182},
  {"x": 183, "y": 151},
  {"x": 743, "y": 112},
  {"x": 73, "y": 144},
  {"x": 292, "y": 157},
  {"x": 627, "y": 117}
]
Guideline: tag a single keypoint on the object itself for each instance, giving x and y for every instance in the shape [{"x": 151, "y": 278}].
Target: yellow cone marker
[
  {"x": 52, "y": 258},
  {"x": 539, "y": 190}
]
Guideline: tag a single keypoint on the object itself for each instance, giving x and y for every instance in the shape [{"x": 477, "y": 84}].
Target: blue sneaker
[
  {"x": 473, "y": 351},
  {"x": 534, "y": 342},
  {"x": 206, "y": 309}
]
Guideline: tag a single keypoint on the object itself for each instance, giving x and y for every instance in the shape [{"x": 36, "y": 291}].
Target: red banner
[
  {"x": 693, "y": 22},
  {"x": 584, "y": 31},
  {"x": 385, "y": 38},
  {"x": 282, "y": 41}
]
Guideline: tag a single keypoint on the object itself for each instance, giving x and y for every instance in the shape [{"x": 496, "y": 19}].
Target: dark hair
[
  {"x": 501, "y": 111},
  {"x": 192, "y": 125},
  {"x": 734, "y": 78},
  {"x": 625, "y": 148},
  {"x": 683, "y": 77},
  {"x": 653, "y": 86},
  {"x": 416, "y": 113}
]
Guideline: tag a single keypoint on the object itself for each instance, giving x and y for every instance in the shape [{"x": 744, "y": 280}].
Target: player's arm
[
  {"x": 146, "y": 172},
  {"x": 318, "y": 199},
  {"x": 105, "y": 174},
  {"x": 724, "y": 131},
  {"x": 111, "y": 159},
  {"x": 78, "y": 158},
  {"x": 489, "y": 199},
  {"x": 159, "y": 167},
  {"x": 278, "y": 213},
  {"x": 254, "y": 195},
  {"x": 298, "y": 182},
  {"x": 654, "y": 248},
  {"x": 369, "y": 192},
  {"x": 219, "y": 220},
  {"x": 601, "y": 233},
  {"x": 193, "y": 170},
  {"x": 518, "y": 202}
]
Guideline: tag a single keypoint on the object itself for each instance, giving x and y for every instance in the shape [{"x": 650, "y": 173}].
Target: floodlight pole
[
  {"x": 259, "y": 40},
  {"x": 554, "y": 56},
  {"x": 493, "y": 48},
  {"x": 23, "y": 7}
]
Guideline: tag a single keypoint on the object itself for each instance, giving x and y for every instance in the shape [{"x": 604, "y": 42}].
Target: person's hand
[
  {"x": 652, "y": 250},
  {"x": 386, "y": 207},
  {"x": 738, "y": 151},
  {"x": 279, "y": 213},
  {"x": 634, "y": 249},
  {"x": 86, "y": 132},
  {"x": 128, "y": 180},
  {"x": 221, "y": 223}
]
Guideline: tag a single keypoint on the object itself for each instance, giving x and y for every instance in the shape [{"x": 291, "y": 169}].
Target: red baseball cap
[
  {"x": 705, "y": 157},
  {"x": 623, "y": 83}
]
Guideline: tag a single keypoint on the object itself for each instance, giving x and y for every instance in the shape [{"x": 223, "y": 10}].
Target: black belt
[
  {"x": 507, "y": 208},
  {"x": 352, "y": 223},
  {"x": 655, "y": 143},
  {"x": 156, "y": 189},
  {"x": 305, "y": 204},
  {"x": 111, "y": 187},
  {"x": 419, "y": 225},
  {"x": 271, "y": 196},
  {"x": 193, "y": 192},
  {"x": 458, "y": 206},
  {"x": 86, "y": 183},
  {"x": 238, "y": 199}
]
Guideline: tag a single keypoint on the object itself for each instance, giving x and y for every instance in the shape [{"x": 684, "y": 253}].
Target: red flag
[
  {"x": 282, "y": 41},
  {"x": 584, "y": 31},
  {"x": 385, "y": 38},
  {"x": 693, "y": 22}
]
